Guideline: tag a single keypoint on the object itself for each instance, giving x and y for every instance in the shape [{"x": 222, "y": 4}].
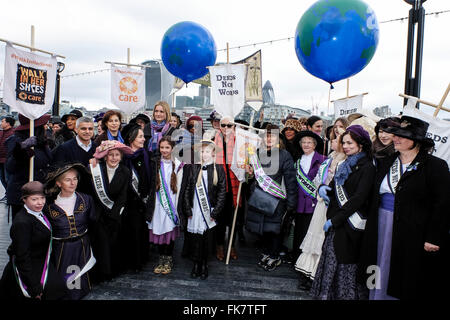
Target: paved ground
[{"x": 240, "y": 280}]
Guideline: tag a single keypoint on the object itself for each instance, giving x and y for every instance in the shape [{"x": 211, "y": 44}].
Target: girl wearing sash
[
  {"x": 110, "y": 179},
  {"x": 307, "y": 167},
  {"x": 111, "y": 123},
  {"x": 203, "y": 202},
  {"x": 407, "y": 229},
  {"x": 312, "y": 243},
  {"x": 164, "y": 221},
  {"x": 71, "y": 213},
  {"x": 142, "y": 174},
  {"x": 348, "y": 198},
  {"x": 30, "y": 273},
  {"x": 269, "y": 166}
]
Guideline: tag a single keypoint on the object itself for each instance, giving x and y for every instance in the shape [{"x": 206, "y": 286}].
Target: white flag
[
  {"x": 344, "y": 107},
  {"x": 244, "y": 141},
  {"x": 228, "y": 88},
  {"x": 438, "y": 131},
  {"x": 127, "y": 88},
  {"x": 29, "y": 84}
]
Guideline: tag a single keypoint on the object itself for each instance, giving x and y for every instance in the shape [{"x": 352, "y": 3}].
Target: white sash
[
  {"x": 203, "y": 201},
  {"x": 88, "y": 266},
  {"x": 135, "y": 181},
  {"x": 99, "y": 186},
  {"x": 356, "y": 220},
  {"x": 394, "y": 175}
]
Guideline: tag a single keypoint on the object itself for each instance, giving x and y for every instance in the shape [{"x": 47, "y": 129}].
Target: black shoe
[
  {"x": 204, "y": 273},
  {"x": 304, "y": 283},
  {"x": 272, "y": 264},
  {"x": 195, "y": 270}
]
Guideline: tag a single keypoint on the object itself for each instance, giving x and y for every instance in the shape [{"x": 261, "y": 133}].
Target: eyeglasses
[{"x": 229, "y": 125}]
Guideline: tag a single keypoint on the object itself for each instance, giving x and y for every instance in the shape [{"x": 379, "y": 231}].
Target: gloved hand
[
  {"x": 327, "y": 225},
  {"x": 29, "y": 142},
  {"x": 323, "y": 193}
]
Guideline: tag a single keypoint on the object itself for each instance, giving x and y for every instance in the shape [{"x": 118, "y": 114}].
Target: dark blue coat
[
  {"x": 70, "y": 151},
  {"x": 277, "y": 168},
  {"x": 18, "y": 166}
]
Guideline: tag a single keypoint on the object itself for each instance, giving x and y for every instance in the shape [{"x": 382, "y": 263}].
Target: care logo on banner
[
  {"x": 245, "y": 141},
  {"x": 438, "y": 130},
  {"x": 344, "y": 107},
  {"x": 29, "y": 84},
  {"x": 228, "y": 88},
  {"x": 127, "y": 88}
]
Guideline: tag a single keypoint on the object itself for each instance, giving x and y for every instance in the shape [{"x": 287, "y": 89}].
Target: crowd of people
[{"x": 358, "y": 209}]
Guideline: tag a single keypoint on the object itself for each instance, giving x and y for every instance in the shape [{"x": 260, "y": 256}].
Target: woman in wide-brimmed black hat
[
  {"x": 71, "y": 214},
  {"x": 407, "y": 229},
  {"x": 67, "y": 132}
]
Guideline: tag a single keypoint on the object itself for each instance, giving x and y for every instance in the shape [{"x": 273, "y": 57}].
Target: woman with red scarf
[{"x": 225, "y": 140}]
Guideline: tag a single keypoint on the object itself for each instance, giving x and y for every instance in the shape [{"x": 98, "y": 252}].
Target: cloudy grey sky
[{"x": 91, "y": 32}]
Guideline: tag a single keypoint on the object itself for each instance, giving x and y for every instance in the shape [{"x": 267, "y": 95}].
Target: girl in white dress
[{"x": 164, "y": 223}]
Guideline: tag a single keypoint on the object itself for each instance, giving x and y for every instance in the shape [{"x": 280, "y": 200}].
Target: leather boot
[
  {"x": 196, "y": 270},
  {"x": 204, "y": 272},
  {"x": 220, "y": 255}
]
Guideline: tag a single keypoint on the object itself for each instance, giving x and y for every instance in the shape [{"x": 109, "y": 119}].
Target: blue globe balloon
[
  {"x": 336, "y": 39},
  {"x": 187, "y": 48}
]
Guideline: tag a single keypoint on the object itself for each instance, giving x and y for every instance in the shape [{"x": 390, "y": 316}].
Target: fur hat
[
  {"x": 413, "y": 129},
  {"x": 292, "y": 124}
]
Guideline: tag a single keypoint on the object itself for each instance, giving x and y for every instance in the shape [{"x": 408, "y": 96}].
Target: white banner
[
  {"x": 344, "y": 107},
  {"x": 127, "y": 89},
  {"x": 228, "y": 88},
  {"x": 244, "y": 141},
  {"x": 438, "y": 131},
  {"x": 29, "y": 84}
]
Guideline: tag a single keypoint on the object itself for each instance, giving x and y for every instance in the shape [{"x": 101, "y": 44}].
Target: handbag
[{"x": 263, "y": 202}]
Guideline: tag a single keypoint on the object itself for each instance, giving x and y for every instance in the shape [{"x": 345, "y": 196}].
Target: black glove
[{"x": 29, "y": 142}]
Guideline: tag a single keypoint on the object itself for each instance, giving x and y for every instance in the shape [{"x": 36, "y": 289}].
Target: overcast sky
[{"x": 91, "y": 32}]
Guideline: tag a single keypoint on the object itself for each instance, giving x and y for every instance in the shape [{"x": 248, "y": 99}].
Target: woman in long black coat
[
  {"x": 408, "y": 225},
  {"x": 336, "y": 276},
  {"x": 18, "y": 161},
  {"x": 111, "y": 188},
  {"x": 30, "y": 273},
  {"x": 140, "y": 187}
]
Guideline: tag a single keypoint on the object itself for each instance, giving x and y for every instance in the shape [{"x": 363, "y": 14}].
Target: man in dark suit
[{"x": 79, "y": 149}]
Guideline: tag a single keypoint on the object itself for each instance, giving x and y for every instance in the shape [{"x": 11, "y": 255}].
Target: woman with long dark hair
[{"x": 348, "y": 197}]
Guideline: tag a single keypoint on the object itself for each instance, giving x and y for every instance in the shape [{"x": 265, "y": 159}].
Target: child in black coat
[{"x": 203, "y": 201}]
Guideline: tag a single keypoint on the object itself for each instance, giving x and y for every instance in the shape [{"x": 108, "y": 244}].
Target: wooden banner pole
[
  {"x": 31, "y": 172},
  {"x": 424, "y": 102},
  {"x": 230, "y": 240},
  {"x": 228, "y": 53},
  {"x": 439, "y": 107},
  {"x": 348, "y": 87}
]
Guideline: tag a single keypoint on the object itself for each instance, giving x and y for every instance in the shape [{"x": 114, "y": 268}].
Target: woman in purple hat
[{"x": 348, "y": 200}]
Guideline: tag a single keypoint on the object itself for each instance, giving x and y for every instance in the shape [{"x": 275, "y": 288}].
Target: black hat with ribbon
[{"x": 413, "y": 129}]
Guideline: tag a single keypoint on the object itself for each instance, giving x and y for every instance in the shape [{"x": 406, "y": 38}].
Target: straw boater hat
[
  {"x": 108, "y": 145},
  {"x": 368, "y": 125},
  {"x": 58, "y": 170},
  {"x": 204, "y": 142},
  {"x": 32, "y": 188},
  {"x": 413, "y": 129}
]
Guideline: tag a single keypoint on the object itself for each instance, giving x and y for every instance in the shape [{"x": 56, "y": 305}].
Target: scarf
[
  {"x": 110, "y": 136},
  {"x": 158, "y": 131},
  {"x": 345, "y": 168},
  {"x": 380, "y": 150}
]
